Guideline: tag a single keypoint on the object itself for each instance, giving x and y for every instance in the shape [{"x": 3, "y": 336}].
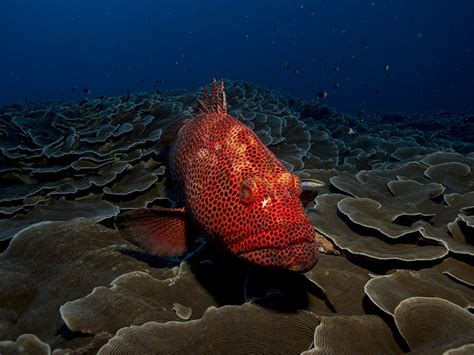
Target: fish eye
[{"x": 248, "y": 189}]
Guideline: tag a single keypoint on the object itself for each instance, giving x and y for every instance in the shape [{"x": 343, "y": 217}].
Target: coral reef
[{"x": 393, "y": 192}]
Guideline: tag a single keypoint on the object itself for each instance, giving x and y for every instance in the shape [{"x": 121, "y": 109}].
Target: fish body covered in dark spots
[{"x": 234, "y": 189}]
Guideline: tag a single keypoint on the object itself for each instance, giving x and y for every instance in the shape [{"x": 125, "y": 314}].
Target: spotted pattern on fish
[{"x": 238, "y": 192}]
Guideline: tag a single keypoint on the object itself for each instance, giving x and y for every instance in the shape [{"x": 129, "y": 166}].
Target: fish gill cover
[{"x": 367, "y": 103}]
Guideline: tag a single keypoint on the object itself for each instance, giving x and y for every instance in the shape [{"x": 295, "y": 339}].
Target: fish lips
[{"x": 299, "y": 257}]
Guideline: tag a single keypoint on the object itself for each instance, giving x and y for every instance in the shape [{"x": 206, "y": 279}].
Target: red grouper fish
[{"x": 234, "y": 189}]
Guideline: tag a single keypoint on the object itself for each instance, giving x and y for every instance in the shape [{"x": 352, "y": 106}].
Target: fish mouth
[
  {"x": 238, "y": 237},
  {"x": 297, "y": 257},
  {"x": 291, "y": 247}
]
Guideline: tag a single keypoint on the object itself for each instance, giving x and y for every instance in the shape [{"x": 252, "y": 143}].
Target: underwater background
[
  {"x": 50, "y": 47},
  {"x": 367, "y": 105}
]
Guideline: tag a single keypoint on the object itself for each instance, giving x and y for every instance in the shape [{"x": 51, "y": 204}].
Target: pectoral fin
[{"x": 159, "y": 231}]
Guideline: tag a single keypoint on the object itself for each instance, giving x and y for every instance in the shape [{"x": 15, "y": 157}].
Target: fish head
[{"x": 273, "y": 230}]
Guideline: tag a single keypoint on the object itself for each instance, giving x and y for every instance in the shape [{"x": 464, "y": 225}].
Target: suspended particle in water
[{"x": 321, "y": 94}]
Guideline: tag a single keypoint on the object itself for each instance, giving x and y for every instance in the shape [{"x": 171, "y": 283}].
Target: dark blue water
[{"x": 50, "y": 47}]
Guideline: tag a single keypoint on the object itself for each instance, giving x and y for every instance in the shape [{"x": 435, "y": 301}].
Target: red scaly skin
[{"x": 240, "y": 195}]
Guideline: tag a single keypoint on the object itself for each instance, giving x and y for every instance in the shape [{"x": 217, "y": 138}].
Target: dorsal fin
[{"x": 214, "y": 101}]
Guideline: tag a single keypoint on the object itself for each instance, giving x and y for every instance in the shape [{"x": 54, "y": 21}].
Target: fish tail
[{"x": 213, "y": 101}]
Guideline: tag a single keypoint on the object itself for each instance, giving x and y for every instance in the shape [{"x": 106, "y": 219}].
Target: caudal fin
[{"x": 214, "y": 101}]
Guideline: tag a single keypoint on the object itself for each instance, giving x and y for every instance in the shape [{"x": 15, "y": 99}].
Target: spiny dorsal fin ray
[{"x": 214, "y": 101}]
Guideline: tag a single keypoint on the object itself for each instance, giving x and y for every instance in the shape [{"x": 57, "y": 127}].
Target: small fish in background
[
  {"x": 86, "y": 90},
  {"x": 233, "y": 188},
  {"x": 157, "y": 82},
  {"x": 337, "y": 86},
  {"x": 378, "y": 92},
  {"x": 141, "y": 81},
  {"x": 321, "y": 95},
  {"x": 286, "y": 64},
  {"x": 275, "y": 28},
  {"x": 335, "y": 69},
  {"x": 312, "y": 184},
  {"x": 296, "y": 71},
  {"x": 387, "y": 70},
  {"x": 116, "y": 67},
  {"x": 74, "y": 88}
]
